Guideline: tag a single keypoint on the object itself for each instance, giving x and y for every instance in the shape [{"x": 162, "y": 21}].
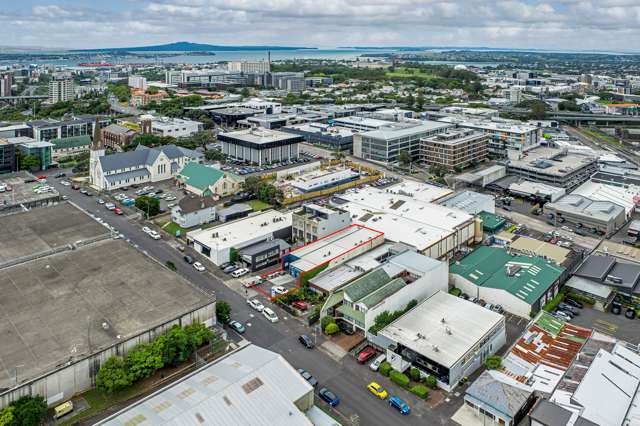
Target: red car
[
  {"x": 366, "y": 354},
  {"x": 118, "y": 211},
  {"x": 42, "y": 177},
  {"x": 299, "y": 304}
]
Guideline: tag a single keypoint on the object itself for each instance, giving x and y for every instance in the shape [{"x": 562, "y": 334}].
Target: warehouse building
[
  {"x": 520, "y": 284},
  {"x": 446, "y": 337},
  {"x": 81, "y": 299},
  {"x": 217, "y": 244},
  {"x": 260, "y": 146},
  {"x": 605, "y": 217},
  {"x": 249, "y": 386}
]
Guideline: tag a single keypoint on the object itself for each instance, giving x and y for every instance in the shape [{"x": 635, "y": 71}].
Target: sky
[{"x": 565, "y": 24}]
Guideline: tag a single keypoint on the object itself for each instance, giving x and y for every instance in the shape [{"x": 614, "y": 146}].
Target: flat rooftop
[
  {"x": 552, "y": 161},
  {"x": 407, "y": 128},
  {"x": 258, "y": 136},
  {"x": 246, "y": 229},
  {"x": 451, "y": 325},
  {"x": 325, "y": 249},
  {"x": 487, "y": 124},
  {"x": 621, "y": 195},
  {"x": 22, "y": 193},
  {"x": 471, "y": 202},
  {"x": 250, "y": 386},
  {"x": 68, "y": 305},
  {"x": 581, "y": 205},
  {"x": 372, "y": 123},
  {"x": 43, "y": 229}
]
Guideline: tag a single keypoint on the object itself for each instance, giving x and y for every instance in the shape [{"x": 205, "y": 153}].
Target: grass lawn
[
  {"x": 99, "y": 401},
  {"x": 603, "y": 137},
  {"x": 172, "y": 227},
  {"x": 258, "y": 205},
  {"x": 407, "y": 72}
]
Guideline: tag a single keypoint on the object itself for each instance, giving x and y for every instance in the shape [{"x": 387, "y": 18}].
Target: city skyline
[{"x": 513, "y": 24}]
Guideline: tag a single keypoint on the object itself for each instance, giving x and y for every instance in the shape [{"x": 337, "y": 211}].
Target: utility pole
[{"x": 16, "y": 369}]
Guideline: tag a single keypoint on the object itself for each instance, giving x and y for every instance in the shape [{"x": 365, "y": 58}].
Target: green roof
[
  {"x": 72, "y": 142},
  {"x": 366, "y": 284},
  {"x": 383, "y": 292},
  {"x": 351, "y": 313},
  {"x": 487, "y": 267},
  {"x": 333, "y": 300},
  {"x": 491, "y": 222},
  {"x": 200, "y": 176}
]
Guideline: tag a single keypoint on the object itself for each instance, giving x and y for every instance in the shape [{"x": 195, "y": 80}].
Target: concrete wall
[
  {"x": 445, "y": 247},
  {"x": 79, "y": 376},
  {"x": 509, "y": 302}
]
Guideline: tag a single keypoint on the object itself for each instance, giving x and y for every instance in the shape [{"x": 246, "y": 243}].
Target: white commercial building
[
  {"x": 444, "y": 336},
  {"x": 411, "y": 217},
  {"x": 217, "y": 243},
  {"x": 313, "y": 221},
  {"x": 261, "y": 105},
  {"x": 175, "y": 127},
  {"x": 249, "y": 386},
  {"x": 138, "y": 82},
  {"x": 318, "y": 180},
  {"x": 260, "y": 146},
  {"x": 61, "y": 89},
  {"x": 249, "y": 67}
]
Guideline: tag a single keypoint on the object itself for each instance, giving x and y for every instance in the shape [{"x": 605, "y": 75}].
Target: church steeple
[
  {"x": 95, "y": 152},
  {"x": 96, "y": 143}
]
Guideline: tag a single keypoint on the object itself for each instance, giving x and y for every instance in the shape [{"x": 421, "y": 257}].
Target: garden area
[{"x": 414, "y": 381}]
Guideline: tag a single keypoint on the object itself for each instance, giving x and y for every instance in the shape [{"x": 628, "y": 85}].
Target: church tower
[{"x": 96, "y": 151}]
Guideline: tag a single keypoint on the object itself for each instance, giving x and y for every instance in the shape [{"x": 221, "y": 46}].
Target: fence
[{"x": 329, "y": 191}]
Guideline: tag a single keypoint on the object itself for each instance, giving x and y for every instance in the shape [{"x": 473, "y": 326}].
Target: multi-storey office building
[
  {"x": 455, "y": 148},
  {"x": 61, "y": 89},
  {"x": 312, "y": 222},
  {"x": 260, "y": 146}
]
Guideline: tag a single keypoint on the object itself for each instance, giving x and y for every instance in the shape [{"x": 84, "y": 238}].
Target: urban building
[
  {"x": 234, "y": 211},
  {"x": 207, "y": 181},
  {"x": 73, "y": 145},
  {"x": 249, "y": 67},
  {"x": 115, "y": 136},
  {"x": 8, "y": 160},
  {"x": 194, "y": 211},
  {"x": 217, "y": 243},
  {"x": 601, "y": 276},
  {"x": 48, "y": 129},
  {"x": 138, "y": 82},
  {"x": 5, "y": 85},
  {"x": 318, "y": 81},
  {"x": 520, "y": 284},
  {"x": 553, "y": 166},
  {"x": 262, "y": 106},
  {"x": 385, "y": 144},
  {"x": 318, "y": 180},
  {"x": 361, "y": 124},
  {"x": 203, "y": 78},
  {"x": 61, "y": 88},
  {"x": 141, "y": 97},
  {"x": 312, "y": 222},
  {"x": 175, "y": 127},
  {"x": 390, "y": 287},
  {"x": 260, "y": 146},
  {"x": 332, "y": 137},
  {"x": 454, "y": 148},
  {"x": 604, "y": 217},
  {"x": 471, "y": 202},
  {"x": 444, "y": 336},
  {"x": 43, "y": 151},
  {"x": 263, "y": 254},
  {"x": 289, "y": 81}
]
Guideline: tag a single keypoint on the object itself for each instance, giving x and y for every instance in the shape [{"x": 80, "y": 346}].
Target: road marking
[{"x": 607, "y": 325}]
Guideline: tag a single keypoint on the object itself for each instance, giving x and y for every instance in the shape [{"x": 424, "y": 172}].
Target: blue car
[
  {"x": 329, "y": 397},
  {"x": 399, "y": 405}
]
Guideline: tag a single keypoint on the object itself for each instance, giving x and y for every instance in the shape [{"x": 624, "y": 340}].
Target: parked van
[{"x": 63, "y": 409}]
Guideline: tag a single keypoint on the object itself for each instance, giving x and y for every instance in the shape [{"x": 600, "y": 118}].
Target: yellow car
[{"x": 377, "y": 390}]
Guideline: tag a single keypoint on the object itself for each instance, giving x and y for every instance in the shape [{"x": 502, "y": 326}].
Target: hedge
[
  {"x": 493, "y": 362},
  {"x": 325, "y": 321},
  {"x": 455, "y": 292},
  {"x": 415, "y": 374},
  {"x": 553, "y": 303},
  {"x": 431, "y": 382},
  {"x": 399, "y": 378},
  {"x": 331, "y": 329},
  {"x": 385, "y": 369},
  {"x": 420, "y": 390},
  {"x": 582, "y": 298}
]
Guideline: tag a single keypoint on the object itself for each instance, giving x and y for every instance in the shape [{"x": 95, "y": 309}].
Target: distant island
[{"x": 185, "y": 46}]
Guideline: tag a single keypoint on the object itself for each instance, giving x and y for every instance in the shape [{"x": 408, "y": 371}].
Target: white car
[
  {"x": 155, "y": 235},
  {"x": 64, "y": 183},
  {"x": 239, "y": 272},
  {"x": 170, "y": 198},
  {"x": 278, "y": 290},
  {"x": 255, "y": 304},
  {"x": 172, "y": 205},
  {"x": 270, "y": 315},
  {"x": 375, "y": 365},
  {"x": 146, "y": 229},
  {"x": 199, "y": 267},
  {"x": 110, "y": 206}
]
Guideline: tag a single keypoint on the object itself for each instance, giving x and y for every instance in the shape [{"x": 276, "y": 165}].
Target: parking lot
[
  {"x": 165, "y": 191},
  {"x": 244, "y": 169},
  {"x": 608, "y": 323}
]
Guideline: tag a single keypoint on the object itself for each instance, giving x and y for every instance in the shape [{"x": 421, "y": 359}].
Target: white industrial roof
[
  {"x": 615, "y": 194},
  {"x": 443, "y": 327},
  {"x": 233, "y": 234},
  {"x": 251, "y": 386},
  {"x": 325, "y": 249}
]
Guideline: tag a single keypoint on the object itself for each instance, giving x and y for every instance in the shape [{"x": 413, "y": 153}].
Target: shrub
[
  {"x": 223, "y": 311},
  {"x": 331, "y": 328},
  {"x": 29, "y": 411},
  {"x": 493, "y": 362},
  {"x": 415, "y": 374},
  {"x": 420, "y": 390},
  {"x": 399, "y": 378},
  {"x": 553, "y": 303},
  {"x": 113, "y": 375},
  {"x": 170, "y": 265},
  {"x": 385, "y": 368},
  {"x": 582, "y": 298},
  {"x": 431, "y": 382},
  {"x": 325, "y": 321},
  {"x": 455, "y": 292}
]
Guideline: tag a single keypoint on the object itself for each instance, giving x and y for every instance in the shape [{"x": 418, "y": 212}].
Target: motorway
[{"x": 344, "y": 376}]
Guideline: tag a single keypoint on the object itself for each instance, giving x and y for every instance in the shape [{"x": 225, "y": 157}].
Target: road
[
  {"x": 593, "y": 142},
  {"x": 345, "y": 377},
  {"x": 115, "y": 105}
]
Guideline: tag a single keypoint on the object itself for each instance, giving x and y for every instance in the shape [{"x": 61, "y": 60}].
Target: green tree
[
  {"x": 215, "y": 155},
  {"x": 148, "y": 205},
  {"x": 493, "y": 362},
  {"x": 420, "y": 390},
  {"x": 419, "y": 102},
  {"x": 431, "y": 382},
  {"x": 113, "y": 375},
  {"x": 199, "y": 334},
  {"x": 404, "y": 157},
  {"x": 331, "y": 329},
  {"x": 223, "y": 311},
  {"x": 29, "y": 410},
  {"x": 29, "y": 162},
  {"x": 245, "y": 92},
  {"x": 203, "y": 138},
  {"x": 415, "y": 374},
  {"x": 385, "y": 369},
  {"x": 399, "y": 378},
  {"x": 152, "y": 90},
  {"x": 142, "y": 361},
  {"x": 6, "y": 416},
  {"x": 178, "y": 347},
  {"x": 325, "y": 321}
]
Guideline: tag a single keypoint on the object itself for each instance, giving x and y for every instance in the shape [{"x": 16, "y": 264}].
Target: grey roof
[
  {"x": 415, "y": 262},
  {"x": 581, "y": 205},
  {"x": 143, "y": 156},
  {"x": 116, "y": 128},
  {"x": 249, "y": 386},
  {"x": 499, "y": 392},
  {"x": 262, "y": 246},
  {"x": 235, "y": 208},
  {"x": 550, "y": 414},
  {"x": 192, "y": 204},
  {"x": 596, "y": 267},
  {"x": 127, "y": 175},
  {"x": 610, "y": 271}
]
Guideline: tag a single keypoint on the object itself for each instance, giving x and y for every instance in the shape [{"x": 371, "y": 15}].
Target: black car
[
  {"x": 346, "y": 328},
  {"x": 308, "y": 377},
  {"x": 573, "y": 303},
  {"x": 568, "y": 308},
  {"x": 59, "y": 175},
  {"x": 226, "y": 265},
  {"x": 306, "y": 341},
  {"x": 135, "y": 186},
  {"x": 188, "y": 259},
  {"x": 616, "y": 308},
  {"x": 630, "y": 313}
]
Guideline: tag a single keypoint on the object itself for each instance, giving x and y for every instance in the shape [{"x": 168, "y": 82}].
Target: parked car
[
  {"x": 345, "y": 327},
  {"x": 155, "y": 235},
  {"x": 118, "y": 211},
  {"x": 110, "y": 206},
  {"x": 630, "y": 313},
  {"x": 497, "y": 308},
  {"x": 146, "y": 229},
  {"x": 277, "y": 290},
  {"x": 237, "y": 326},
  {"x": 561, "y": 316},
  {"x": 616, "y": 307},
  {"x": 329, "y": 397},
  {"x": 308, "y": 377},
  {"x": 188, "y": 259},
  {"x": 226, "y": 265},
  {"x": 229, "y": 269},
  {"x": 239, "y": 272},
  {"x": 366, "y": 354},
  {"x": 61, "y": 174},
  {"x": 83, "y": 191},
  {"x": 299, "y": 304},
  {"x": 199, "y": 267},
  {"x": 378, "y": 390},
  {"x": 270, "y": 315},
  {"x": 566, "y": 307},
  {"x": 100, "y": 201},
  {"x": 397, "y": 403},
  {"x": 306, "y": 341},
  {"x": 255, "y": 304},
  {"x": 574, "y": 303},
  {"x": 375, "y": 365}
]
